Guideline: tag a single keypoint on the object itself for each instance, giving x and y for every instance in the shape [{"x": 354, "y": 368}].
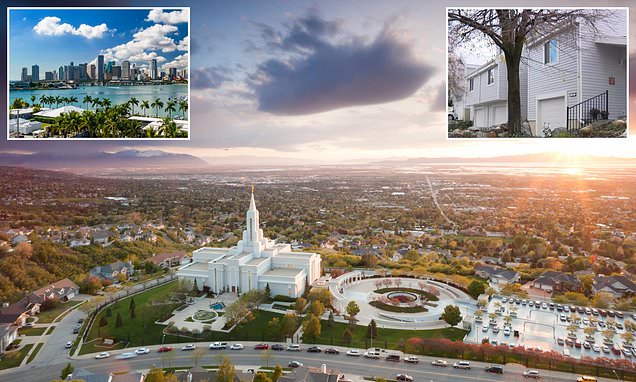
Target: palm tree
[
  {"x": 170, "y": 108},
  {"x": 72, "y": 99},
  {"x": 87, "y": 99},
  {"x": 145, "y": 106},
  {"x": 32, "y": 100},
  {"x": 156, "y": 104},
  {"x": 96, "y": 102},
  {"x": 134, "y": 102},
  {"x": 183, "y": 107},
  {"x": 57, "y": 101},
  {"x": 106, "y": 103},
  {"x": 43, "y": 99}
]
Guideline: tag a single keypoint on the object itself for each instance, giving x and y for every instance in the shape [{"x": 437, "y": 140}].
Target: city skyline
[{"x": 136, "y": 35}]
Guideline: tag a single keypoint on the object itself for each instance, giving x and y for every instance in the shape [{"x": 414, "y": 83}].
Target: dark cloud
[
  {"x": 323, "y": 75},
  {"x": 439, "y": 104},
  {"x": 209, "y": 78}
]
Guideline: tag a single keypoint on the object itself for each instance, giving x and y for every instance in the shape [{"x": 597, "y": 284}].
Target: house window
[
  {"x": 550, "y": 54},
  {"x": 471, "y": 84},
  {"x": 491, "y": 76}
]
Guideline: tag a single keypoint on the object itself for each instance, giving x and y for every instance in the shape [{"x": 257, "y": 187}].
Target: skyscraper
[
  {"x": 154, "y": 74},
  {"x": 49, "y": 76},
  {"x": 35, "y": 73},
  {"x": 125, "y": 70},
  {"x": 83, "y": 73},
  {"x": 100, "y": 68},
  {"x": 92, "y": 73},
  {"x": 25, "y": 75},
  {"x": 60, "y": 73}
]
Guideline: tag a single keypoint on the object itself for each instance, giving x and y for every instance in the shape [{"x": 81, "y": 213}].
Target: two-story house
[
  {"x": 577, "y": 72},
  {"x": 487, "y": 93}
]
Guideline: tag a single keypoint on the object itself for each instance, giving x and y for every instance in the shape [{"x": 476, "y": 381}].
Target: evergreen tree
[
  {"x": 195, "y": 286},
  {"x": 347, "y": 336},
  {"x": 132, "y": 307},
  {"x": 372, "y": 330},
  {"x": 118, "y": 322},
  {"x": 331, "y": 321},
  {"x": 268, "y": 292}
]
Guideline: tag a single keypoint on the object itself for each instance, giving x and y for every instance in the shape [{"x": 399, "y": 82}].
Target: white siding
[
  {"x": 483, "y": 92},
  {"x": 561, "y": 76},
  {"x": 599, "y": 63}
]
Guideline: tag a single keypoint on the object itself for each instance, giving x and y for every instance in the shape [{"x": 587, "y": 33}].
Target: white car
[
  {"x": 462, "y": 365},
  {"x": 411, "y": 359},
  {"x": 68, "y": 345},
  {"x": 218, "y": 345},
  {"x": 439, "y": 362},
  {"x": 189, "y": 347},
  {"x": 372, "y": 355},
  {"x": 495, "y": 329},
  {"x": 596, "y": 348},
  {"x": 294, "y": 347},
  {"x": 141, "y": 351},
  {"x": 485, "y": 327},
  {"x": 236, "y": 347},
  {"x": 532, "y": 374},
  {"x": 506, "y": 331},
  {"x": 126, "y": 355},
  {"x": 102, "y": 355},
  {"x": 354, "y": 353}
]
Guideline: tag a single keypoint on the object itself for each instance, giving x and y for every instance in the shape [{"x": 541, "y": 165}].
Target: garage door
[
  {"x": 551, "y": 114},
  {"x": 501, "y": 114},
  {"x": 480, "y": 117}
]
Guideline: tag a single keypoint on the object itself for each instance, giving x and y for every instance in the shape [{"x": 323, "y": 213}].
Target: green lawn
[
  {"x": 49, "y": 315},
  {"x": 35, "y": 352},
  {"x": 387, "y": 338},
  {"x": 140, "y": 330},
  {"x": 14, "y": 358},
  {"x": 31, "y": 331}
]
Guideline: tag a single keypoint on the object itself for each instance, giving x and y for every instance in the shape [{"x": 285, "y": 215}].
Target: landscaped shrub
[
  {"x": 283, "y": 298},
  {"x": 398, "y": 309}
]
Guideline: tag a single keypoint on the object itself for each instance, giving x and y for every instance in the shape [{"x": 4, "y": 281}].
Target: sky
[
  {"x": 327, "y": 82},
  {"x": 52, "y": 38}
]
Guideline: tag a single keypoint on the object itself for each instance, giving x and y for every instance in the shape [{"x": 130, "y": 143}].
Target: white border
[
  {"x": 59, "y": 8},
  {"x": 538, "y": 139}
]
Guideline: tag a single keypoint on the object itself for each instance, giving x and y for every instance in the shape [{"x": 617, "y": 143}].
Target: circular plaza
[{"x": 399, "y": 302}]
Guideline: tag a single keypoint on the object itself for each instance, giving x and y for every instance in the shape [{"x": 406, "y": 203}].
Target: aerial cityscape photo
[
  {"x": 126, "y": 76},
  {"x": 309, "y": 219}
]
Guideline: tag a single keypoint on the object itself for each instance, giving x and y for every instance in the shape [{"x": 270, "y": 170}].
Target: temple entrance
[{"x": 233, "y": 289}]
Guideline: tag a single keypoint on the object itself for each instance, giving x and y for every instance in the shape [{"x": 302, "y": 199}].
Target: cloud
[
  {"x": 322, "y": 75},
  {"x": 184, "y": 44},
  {"x": 145, "y": 43},
  {"x": 179, "y": 62},
  {"x": 50, "y": 26},
  {"x": 175, "y": 17},
  {"x": 208, "y": 78}
]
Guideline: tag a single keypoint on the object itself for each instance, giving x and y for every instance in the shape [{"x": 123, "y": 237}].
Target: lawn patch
[{"x": 14, "y": 358}]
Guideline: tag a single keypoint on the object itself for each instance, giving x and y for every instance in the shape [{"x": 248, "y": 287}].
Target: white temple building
[{"x": 252, "y": 264}]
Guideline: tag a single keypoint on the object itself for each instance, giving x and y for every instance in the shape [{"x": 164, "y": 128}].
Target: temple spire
[{"x": 252, "y": 202}]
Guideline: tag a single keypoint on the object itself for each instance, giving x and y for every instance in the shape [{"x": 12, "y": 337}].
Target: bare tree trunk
[{"x": 514, "y": 98}]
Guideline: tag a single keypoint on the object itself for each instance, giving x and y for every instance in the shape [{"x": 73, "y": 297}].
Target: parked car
[
  {"x": 294, "y": 347},
  {"x": 587, "y": 345},
  {"x": 596, "y": 348},
  {"x": 586, "y": 378},
  {"x": 506, "y": 331},
  {"x": 411, "y": 359},
  {"x": 439, "y": 362},
  {"x": 451, "y": 114},
  {"x": 605, "y": 349},
  {"x": 75, "y": 330},
  {"x": 295, "y": 364},
  {"x": 314, "y": 349},
  {"x": 404, "y": 378},
  {"x": 560, "y": 341},
  {"x": 102, "y": 355},
  {"x": 68, "y": 345},
  {"x": 354, "y": 353},
  {"x": 494, "y": 369},
  {"x": 218, "y": 345},
  {"x": 141, "y": 351},
  {"x": 188, "y": 347},
  {"x": 620, "y": 315},
  {"x": 126, "y": 355},
  {"x": 532, "y": 374},
  {"x": 462, "y": 365},
  {"x": 261, "y": 347},
  {"x": 80, "y": 321},
  {"x": 577, "y": 344},
  {"x": 332, "y": 351},
  {"x": 236, "y": 347},
  {"x": 278, "y": 347},
  {"x": 393, "y": 357},
  {"x": 164, "y": 349}
]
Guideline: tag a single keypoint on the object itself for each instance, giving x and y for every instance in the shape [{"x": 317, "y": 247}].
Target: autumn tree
[
  {"x": 312, "y": 330},
  {"x": 261, "y": 377},
  {"x": 278, "y": 371},
  {"x": 316, "y": 308},
  {"x": 300, "y": 305},
  {"x": 352, "y": 310},
  {"x": 226, "y": 371},
  {"x": 452, "y": 315}
]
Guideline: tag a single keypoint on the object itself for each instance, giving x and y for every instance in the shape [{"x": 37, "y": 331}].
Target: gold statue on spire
[{"x": 252, "y": 188}]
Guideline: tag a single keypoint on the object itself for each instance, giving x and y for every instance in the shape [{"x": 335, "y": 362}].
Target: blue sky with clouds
[{"x": 55, "y": 37}]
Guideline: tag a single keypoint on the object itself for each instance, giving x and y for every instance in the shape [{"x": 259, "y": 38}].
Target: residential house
[
  {"x": 88, "y": 376},
  {"x": 486, "y": 97},
  {"x": 199, "y": 374},
  {"x": 19, "y": 239},
  {"x": 619, "y": 286},
  {"x": 8, "y": 334},
  {"x": 101, "y": 237},
  {"x": 185, "y": 259},
  {"x": 113, "y": 270},
  {"x": 576, "y": 62},
  {"x": 167, "y": 260},
  {"x": 62, "y": 290},
  {"x": 311, "y": 374},
  {"x": 18, "y": 312},
  {"x": 80, "y": 242},
  {"x": 462, "y": 112},
  {"x": 497, "y": 275},
  {"x": 555, "y": 281}
]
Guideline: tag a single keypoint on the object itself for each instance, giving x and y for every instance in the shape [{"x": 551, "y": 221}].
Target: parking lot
[{"x": 570, "y": 330}]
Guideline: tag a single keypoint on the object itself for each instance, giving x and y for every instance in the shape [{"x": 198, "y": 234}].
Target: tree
[
  {"x": 509, "y": 30},
  {"x": 288, "y": 325},
  {"x": 475, "y": 288},
  {"x": 226, "y": 371},
  {"x": 266, "y": 356},
  {"x": 145, "y": 106},
  {"x": 131, "y": 307},
  {"x": 347, "y": 336},
  {"x": 103, "y": 321},
  {"x": 300, "y": 305},
  {"x": 352, "y": 310},
  {"x": 196, "y": 356},
  {"x": 331, "y": 321},
  {"x": 118, "y": 322},
  {"x": 68, "y": 369},
  {"x": 312, "y": 330},
  {"x": 155, "y": 375},
  {"x": 278, "y": 371},
  {"x": 317, "y": 309},
  {"x": 452, "y": 315},
  {"x": 133, "y": 102},
  {"x": 274, "y": 326},
  {"x": 372, "y": 330},
  {"x": 195, "y": 287},
  {"x": 157, "y": 104},
  {"x": 261, "y": 377},
  {"x": 268, "y": 292}
]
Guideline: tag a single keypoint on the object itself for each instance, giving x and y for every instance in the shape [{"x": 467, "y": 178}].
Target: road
[
  {"x": 422, "y": 372},
  {"x": 434, "y": 195}
]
